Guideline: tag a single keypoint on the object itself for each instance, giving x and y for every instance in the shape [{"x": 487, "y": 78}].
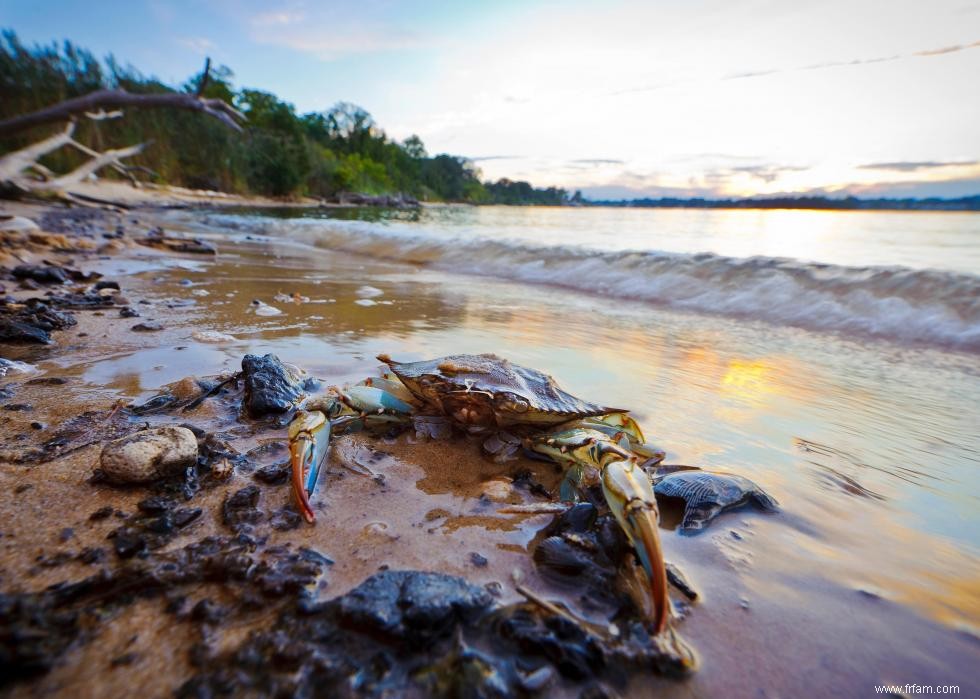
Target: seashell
[{"x": 707, "y": 494}]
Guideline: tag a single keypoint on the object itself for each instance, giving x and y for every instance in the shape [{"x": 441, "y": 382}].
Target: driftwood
[
  {"x": 97, "y": 106},
  {"x": 98, "y": 102}
]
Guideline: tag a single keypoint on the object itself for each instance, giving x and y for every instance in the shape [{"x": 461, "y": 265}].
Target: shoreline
[{"x": 747, "y": 611}]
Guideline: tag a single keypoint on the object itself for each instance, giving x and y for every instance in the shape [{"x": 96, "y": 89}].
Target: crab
[{"x": 517, "y": 407}]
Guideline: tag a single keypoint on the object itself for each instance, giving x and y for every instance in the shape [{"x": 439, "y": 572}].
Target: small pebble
[
  {"x": 478, "y": 560},
  {"x": 101, "y": 513}
]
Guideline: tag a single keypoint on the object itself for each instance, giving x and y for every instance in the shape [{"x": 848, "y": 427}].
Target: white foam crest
[{"x": 921, "y": 306}]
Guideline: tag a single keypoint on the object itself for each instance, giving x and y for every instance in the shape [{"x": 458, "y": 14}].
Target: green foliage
[{"x": 282, "y": 153}]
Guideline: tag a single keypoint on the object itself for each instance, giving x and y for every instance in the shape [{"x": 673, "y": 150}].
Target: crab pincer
[
  {"x": 309, "y": 437},
  {"x": 630, "y": 497}
]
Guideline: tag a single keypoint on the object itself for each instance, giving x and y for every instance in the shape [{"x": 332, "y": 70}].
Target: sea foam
[{"x": 898, "y": 303}]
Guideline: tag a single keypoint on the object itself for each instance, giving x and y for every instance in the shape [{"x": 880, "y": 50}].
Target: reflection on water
[{"x": 871, "y": 449}]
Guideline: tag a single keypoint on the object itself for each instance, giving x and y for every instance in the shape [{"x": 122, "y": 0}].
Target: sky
[{"x": 618, "y": 98}]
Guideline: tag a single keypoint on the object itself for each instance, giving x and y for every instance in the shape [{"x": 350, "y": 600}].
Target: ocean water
[
  {"x": 912, "y": 277},
  {"x": 831, "y": 357}
]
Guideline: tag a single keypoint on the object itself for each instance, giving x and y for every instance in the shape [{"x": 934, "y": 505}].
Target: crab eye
[{"x": 514, "y": 404}]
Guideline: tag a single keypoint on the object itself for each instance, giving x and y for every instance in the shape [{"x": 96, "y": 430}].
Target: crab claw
[
  {"x": 309, "y": 436},
  {"x": 630, "y": 497}
]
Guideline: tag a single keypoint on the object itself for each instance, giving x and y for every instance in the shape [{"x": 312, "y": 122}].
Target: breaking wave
[{"x": 920, "y": 306}]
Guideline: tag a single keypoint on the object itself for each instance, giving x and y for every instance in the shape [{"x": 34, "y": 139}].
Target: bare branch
[
  {"x": 102, "y": 114},
  {"x": 205, "y": 76},
  {"x": 118, "y": 99},
  {"x": 93, "y": 165},
  {"x": 120, "y": 167},
  {"x": 12, "y": 164}
]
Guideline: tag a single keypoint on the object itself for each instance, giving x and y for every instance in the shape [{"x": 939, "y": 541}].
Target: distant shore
[
  {"x": 816, "y": 203},
  {"x": 176, "y": 197}
]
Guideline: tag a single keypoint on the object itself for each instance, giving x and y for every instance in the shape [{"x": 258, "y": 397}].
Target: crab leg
[
  {"x": 310, "y": 431},
  {"x": 590, "y": 455}
]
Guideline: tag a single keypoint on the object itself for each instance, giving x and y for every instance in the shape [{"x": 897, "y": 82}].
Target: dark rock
[
  {"x": 128, "y": 312},
  {"x": 274, "y": 474},
  {"x": 240, "y": 509},
  {"x": 91, "y": 555},
  {"x": 124, "y": 659},
  {"x": 270, "y": 387},
  {"x": 478, "y": 560},
  {"x": 185, "y": 516},
  {"x": 155, "y": 505},
  {"x": 161, "y": 241},
  {"x": 32, "y": 321},
  {"x": 21, "y": 332},
  {"x": 410, "y": 605},
  {"x": 19, "y": 407},
  {"x": 42, "y": 274},
  {"x": 207, "y": 612},
  {"x": 128, "y": 542},
  {"x": 101, "y": 513},
  {"x": 164, "y": 524},
  {"x": 47, "y": 381},
  {"x": 285, "y": 519},
  {"x": 106, "y": 285},
  {"x": 575, "y": 653},
  {"x": 147, "y": 326}
]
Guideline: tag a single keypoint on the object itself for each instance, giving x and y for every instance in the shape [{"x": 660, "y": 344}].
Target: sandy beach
[{"x": 849, "y": 585}]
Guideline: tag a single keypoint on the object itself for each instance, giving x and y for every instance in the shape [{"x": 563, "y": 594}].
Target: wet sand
[{"x": 793, "y": 603}]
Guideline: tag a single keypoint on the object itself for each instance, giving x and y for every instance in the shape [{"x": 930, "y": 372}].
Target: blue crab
[{"x": 595, "y": 445}]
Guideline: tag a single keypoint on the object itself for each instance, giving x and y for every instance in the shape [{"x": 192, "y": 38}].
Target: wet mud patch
[
  {"x": 37, "y": 628},
  {"x": 420, "y": 633}
]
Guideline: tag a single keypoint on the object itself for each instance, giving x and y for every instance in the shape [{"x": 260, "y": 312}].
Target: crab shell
[{"x": 486, "y": 390}]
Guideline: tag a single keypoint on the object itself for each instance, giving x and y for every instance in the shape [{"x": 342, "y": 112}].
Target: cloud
[
  {"x": 750, "y": 74},
  {"x": 480, "y": 158},
  {"x": 915, "y": 165},
  {"x": 766, "y": 173},
  {"x": 198, "y": 44},
  {"x": 947, "y": 49},
  {"x": 329, "y": 34},
  {"x": 926, "y": 53},
  {"x": 279, "y": 17},
  {"x": 947, "y": 189},
  {"x": 598, "y": 161}
]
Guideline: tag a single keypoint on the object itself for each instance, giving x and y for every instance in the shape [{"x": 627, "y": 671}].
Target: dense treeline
[{"x": 282, "y": 153}]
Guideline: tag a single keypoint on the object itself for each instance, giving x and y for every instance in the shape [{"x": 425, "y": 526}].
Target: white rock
[
  {"x": 366, "y": 302},
  {"x": 17, "y": 223},
  {"x": 12, "y": 366},
  {"x": 264, "y": 309},
  {"x": 212, "y": 336},
  {"x": 149, "y": 455},
  {"x": 367, "y": 292}
]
